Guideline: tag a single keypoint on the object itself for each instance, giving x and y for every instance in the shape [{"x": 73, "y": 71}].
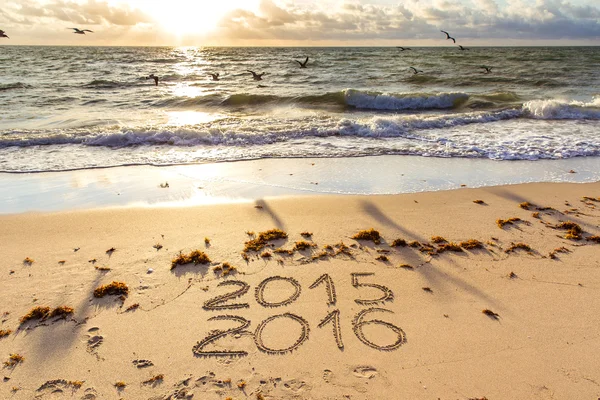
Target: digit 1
[
  {"x": 334, "y": 318},
  {"x": 329, "y": 288}
]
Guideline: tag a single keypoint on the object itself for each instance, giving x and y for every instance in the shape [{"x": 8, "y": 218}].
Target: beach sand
[{"x": 417, "y": 331}]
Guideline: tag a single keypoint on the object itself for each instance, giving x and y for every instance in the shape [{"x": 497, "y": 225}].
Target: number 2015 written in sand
[{"x": 226, "y": 302}]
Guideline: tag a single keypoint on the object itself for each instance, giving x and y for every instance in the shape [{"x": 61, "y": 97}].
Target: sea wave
[
  {"x": 11, "y": 86},
  {"x": 561, "y": 109}
]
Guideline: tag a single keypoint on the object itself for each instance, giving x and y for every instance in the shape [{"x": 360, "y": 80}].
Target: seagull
[
  {"x": 416, "y": 71},
  {"x": 302, "y": 64},
  {"x": 152, "y": 76},
  {"x": 3, "y": 34},
  {"x": 215, "y": 76},
  {"x": 462, "y": 48},
  {"x": 255, "y": 76},
  {"x": 81, "y": 32},
  {"x": 403, "y": 48},
  {"x": 448, "y": 36},
  {"x": 488, "y": 70}
]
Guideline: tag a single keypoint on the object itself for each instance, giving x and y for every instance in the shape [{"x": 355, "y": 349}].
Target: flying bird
[
  {"x": 416, "y": 71},
  {"x": 448, "y": 36},
  {"x": 255, "y": 76},
  {"x": 80, "y": 32},
  {"x": 403, "y": 48},
  {"x": 152, "y": 76},
  {"x": 215, "y": 77},
  {"x": 3, "y": 34},
  {"x": 462, "y": 48},
  {"x": 488, "y": 70},
  {"x": 302, "y": 64}
]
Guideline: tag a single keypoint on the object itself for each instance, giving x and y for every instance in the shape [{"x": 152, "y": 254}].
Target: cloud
[{"x": 350, "y": 22}]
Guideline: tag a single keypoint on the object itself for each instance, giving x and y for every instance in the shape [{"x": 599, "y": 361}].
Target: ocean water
[{"x": 65, "y": 108}]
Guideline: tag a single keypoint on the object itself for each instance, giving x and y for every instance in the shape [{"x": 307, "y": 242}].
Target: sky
[{"x": 301, "y": 22}]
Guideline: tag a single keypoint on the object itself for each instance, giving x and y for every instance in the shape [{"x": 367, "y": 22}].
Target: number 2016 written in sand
[{"x": 240, "y": 288}]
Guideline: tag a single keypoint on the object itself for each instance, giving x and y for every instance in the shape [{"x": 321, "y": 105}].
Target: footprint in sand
[
  {"x": 365, "y": 372},
  {"x": 94, "y": 342},
  {"x": 142, "y": 363},
  {"x": 327, "y": 375},
  {"x": 295, "y": 385}
]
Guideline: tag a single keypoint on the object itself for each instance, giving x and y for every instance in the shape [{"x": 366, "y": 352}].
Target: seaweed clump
[
  {"x": 595, "y": 239},
  {"x": 13, "y": 360},
  {"x": 36, "y": 313},
  {"x": 399, "y": 243},
  {"x": 306, "y": 234},
  {"x": 382, "y": 258},
  {"x": 449, "y": 247},
  {"x": 154, "y": 380},
  {"x": 510, "y": 221},
  {"x": 259, "y": 243},
  {"x": 518, "y": 246},
  {"x": 196, "y": 257},
  {"x": 491, "y": 314},
  {"x": 370, "y": 234},
  {"x": 302, "y": 245},
  {"x": 525, "y": 205},
  {"x": 574, "y": 231},
  {"x": 28, "y": 261},
  {"x": 4, "y": 333},
  {"x": 112, "y": 289},
  {"x": 471, "y": 244},
  {"x": 554, "y": 252},
  {"x": 62, "y": 312},
  {"x": 478, "y": 201},
  {"x": 438, "y": 239}
]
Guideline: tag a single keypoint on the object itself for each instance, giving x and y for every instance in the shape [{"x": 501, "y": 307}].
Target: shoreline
[
  {"x": 248, "y": 181},
  {"x": 538, "y": 342}
]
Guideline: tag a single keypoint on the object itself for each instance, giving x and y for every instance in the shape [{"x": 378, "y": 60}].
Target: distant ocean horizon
[{"x": 66, "y": 108}]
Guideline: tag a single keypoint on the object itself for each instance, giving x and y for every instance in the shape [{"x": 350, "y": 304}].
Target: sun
[{"x": 189, "y": 17}]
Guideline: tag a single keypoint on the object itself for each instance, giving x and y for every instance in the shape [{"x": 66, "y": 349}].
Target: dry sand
[{"x": 542, "y": 344}]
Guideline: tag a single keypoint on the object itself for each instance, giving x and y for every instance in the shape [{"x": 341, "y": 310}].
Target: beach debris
[
  {"x": 112, "y": 289},
  {"x": 518, "y": 246},
  {"x": 93, "y": 261},
  {"x": 536, "y": 215},
  {"x": 427, "y": 289},
  {"x": 158, "y": 246},
  {"x": 491, "y": 314},
  {"x": 595, "y": 239},
  {"x": 574, "y": 231},
  {"x": 399, "y": 243},
  {"x": 76, "y": 249},
  {"x": 449, "y": 247},
  {"x": 241, "y": 385},
  {"x": 102, "y": 269},
  {"x": 164, "y": 185},
  {"x": 196, "y": 257},
  {"x": 369, "y": 234},
  {"x": 133, "y": 307},
  {"x": 471, "y": 244},
  {"x": 302, "y": 245},
  {"x": 206, "y": 241},
  {"x": 155, "y": 380},
  {"x": 554, "y": 252},
  {"x": 38, "y": 312},
  {"x": 4, "y": 333},
  {"x": 478, "y": 201},
  {"x": 407, "y": 266},
  {"x": 62, "y": 262},
  {"x": 13, "y": 360},
  {"x": 263, "y": 239},
  {"x": 28, "y": 261},
  {"x": 111, "y": 250},
  {"x": 438, "y": 239},
  {"x": 61, "y": 312},
  {"x": 150, "y": 270},
  {"x": 306, "y": 234},
  {"x": 266, "y": 254},
  {"x": 120, "y": 385},
  {"x": 382, "y": 258},
  {"x": 512, "y": 275},
  {"x": 525, "y": 205},
  {"x": 510, "y": 221}
]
